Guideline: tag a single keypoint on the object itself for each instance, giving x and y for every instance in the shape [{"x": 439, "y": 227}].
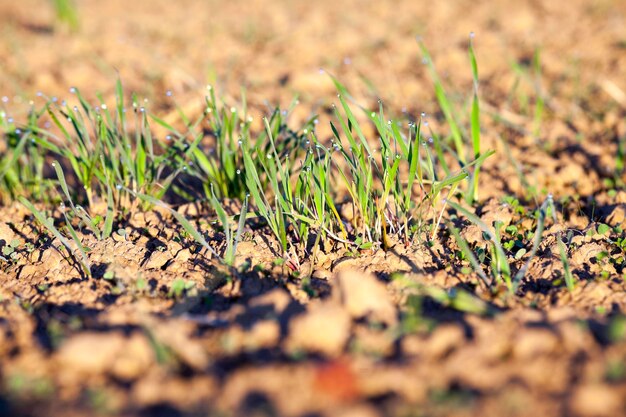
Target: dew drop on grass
[
  {"x": 430, "y": 140},
  {"x": 233, "y": 110},
  {"x": 118, "y": 186},
  {"x": 142, "y": 109},
  {"x": 472, "y": 35},
  {"x": 425, "y": 61},
  {"x": 10, "y": 120},
  {"x": 373, "y": 114},
  {"x": 316, "y": 121},
  {"x": 39, "y": 94},
  {"x": 73, "y": 90},
  {"x": 425, "y": 123},
  {"x": 208, "y": 87},
  {"x": 168, "y": 93},
  {"x": 422, "y": 114},
  {"x": 18, "y": 131},
  {"x": 238, "y": 171},
  {"x": 54, "y": 99},
  {"x": 104, "y": 106},
  {"x": 5, "y": 99}
]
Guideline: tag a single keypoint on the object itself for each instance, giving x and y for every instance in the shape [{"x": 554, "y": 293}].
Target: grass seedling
[
  {"x": 66, "y": 13},
  {"x": 278, "y": 175},
  {"x": 567, "y": 273},
  {"x": 106, "y": 157},
  {"x": 457, "y": 133},
  {"x": 500, "y": 267},
  {"x": 540, "y": 101},
  {"x": 187, "y": 226},
  {"x": 444, "y": 103},
  {"x": 93, "y": 224},
  {"x": 49, "y": 225},
  {"x": 472, "y": 195},
  {"x": 22, "y": 160},
  {"x": 232, "y": 239}
]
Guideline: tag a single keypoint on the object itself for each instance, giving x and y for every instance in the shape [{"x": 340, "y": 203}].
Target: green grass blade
[
  {"x": 55, "y": 232},
  {"x": 193, "y": 232}
]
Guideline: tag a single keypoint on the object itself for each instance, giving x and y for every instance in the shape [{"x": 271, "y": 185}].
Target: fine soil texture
[{"x": 216, "y": 298}]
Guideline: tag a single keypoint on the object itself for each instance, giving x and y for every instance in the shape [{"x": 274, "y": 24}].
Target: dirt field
[{"x": 400, "y": 332}]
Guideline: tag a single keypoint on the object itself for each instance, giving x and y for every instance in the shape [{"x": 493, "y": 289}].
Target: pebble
[{"x": 325, "y": 329}]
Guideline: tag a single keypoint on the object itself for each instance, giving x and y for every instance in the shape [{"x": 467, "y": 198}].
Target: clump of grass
[
  {"x": 381, "y": 185},
  {"x": 48, "y": 223},
  {"x": 109, "y": 157},
  {"x": 499, "y": 264},
  {"x": 570, "y": 282},
  {"x": 109, "y": 163}
]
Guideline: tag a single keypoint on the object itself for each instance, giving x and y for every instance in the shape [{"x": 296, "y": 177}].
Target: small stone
[
  {"x": 363, "y": 294},
  {"x": 158, "y": 259},
  {"x": 90, "y": 353},
  {"x": 6, "y": 234},
  {"x": 531, "y": 343},
  {"x": 597, "y": 400},
  {"x": 134, "y": 359},
  {"x": 324, "y": 328},
  {"x": 444, "y": 340},
  {"x": 617, "y": 216}
]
